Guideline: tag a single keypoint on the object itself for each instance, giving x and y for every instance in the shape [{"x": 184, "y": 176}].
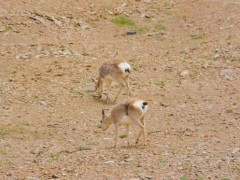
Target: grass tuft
[
  {"x": 122, "y": 20},
  {"x": 160, "y": 26},
  {"x": 55, "y": 155},
  {"x": 197, "y": 36},
  {"x": 184, "y": 178}
]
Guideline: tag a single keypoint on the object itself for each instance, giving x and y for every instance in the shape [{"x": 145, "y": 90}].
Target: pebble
[
  {"x": 109, "y": 162},
  {"x": 184, "y": 74},
  {"x": 226, "y": 74},
  {"x": 235, "y": 151},
  {"x": 43, "y": 103},
  {"x": 89, "y": 88}
]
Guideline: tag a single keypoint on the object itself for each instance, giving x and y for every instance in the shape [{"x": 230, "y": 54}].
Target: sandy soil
[{"x": 186, "y": 63}]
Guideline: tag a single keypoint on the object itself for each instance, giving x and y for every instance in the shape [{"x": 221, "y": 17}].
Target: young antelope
[
  {"x": 131, "y": 111},
  {"x": 110, "y": 71}
]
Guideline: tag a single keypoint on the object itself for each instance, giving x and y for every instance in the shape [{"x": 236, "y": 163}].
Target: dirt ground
[{"x": 185, "y": 58}]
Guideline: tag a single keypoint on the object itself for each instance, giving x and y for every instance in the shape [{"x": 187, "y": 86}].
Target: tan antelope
[
  {"x": 110, "y": 71},
  {"x": 131, "y": 111}
]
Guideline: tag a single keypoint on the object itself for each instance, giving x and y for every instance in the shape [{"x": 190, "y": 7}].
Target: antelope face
[{"x": 105, "y": 122}]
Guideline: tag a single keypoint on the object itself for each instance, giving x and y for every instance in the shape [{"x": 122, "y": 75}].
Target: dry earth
[{"x": 186, "y": 62}]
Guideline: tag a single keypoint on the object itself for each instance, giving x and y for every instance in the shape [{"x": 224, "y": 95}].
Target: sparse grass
[
  {"x": 160, "y": 38},
  {"x": 57, "y": 154},
  {"x": 135, "y": 68},
  {"x": 47, "y": 79},
  {"x": 19, "y": 132},
  {"x": 92, "y": 143},
  {"x": 168, "y": 12},
  {"x": 123, "y": 136},
  {"x": 184, "y": 178},
  {"x": 229, "y": 110},
  {"x": 161, "y": 84},
  {"x": 3, "y": 151},
  {"x": 140, "y": 29},
  {"x": 200, "y": 177},
  {"x": 3, "y": 133},
  {"x": 197, "y": 36},
  {"x": 186, "y": 166},
  {"x": 160, "y": 26},
  {"x": 206, "y": 57},
  {"x": 184, "y": 17},
  {"x": 13, "y": 72},
  {"x": 8, "y": 28},
  {"x": 99, "y": 126},
  {"x": 76, "y": 92},
  {"x": 122, "y": 20},
  {"x": 163, "y": 161},
  {"x": 124, "y": 157},
  {"x": 225, "y": 178}
]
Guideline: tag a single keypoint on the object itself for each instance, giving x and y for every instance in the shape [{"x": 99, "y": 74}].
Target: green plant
[
  {"x": 55, "y": 155},
  {"x": 76, "y": 92},
  {"x": 186, "y": 165},
  {"x": 229, "y": 110},
  {"x": 140, "y": 29},
  {"x": 197, "y": 36},
  {"x": 184, "y": 178},
  {"x": 161, "y": 84},
  {"x": 13, "y": 72},
  {"x": 123, "y": 136},
  {"x": 99, "y": 126},
  {"x": 122, "y": 20},
  {"x": 92, "y": 143},
  {"x": 160, "y": 26},
  {"x": 168, "y": 12},
  {"x": 8, "y": 28}
]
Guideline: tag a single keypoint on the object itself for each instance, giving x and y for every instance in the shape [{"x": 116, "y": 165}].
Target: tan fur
[
  {"x": 125, "y": 113},
  {"x": 109, "y": 72}
]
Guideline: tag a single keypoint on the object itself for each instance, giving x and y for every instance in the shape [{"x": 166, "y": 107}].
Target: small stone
[
  {"x": 54, "y": 176},
  {"x": 228, "y": 159},
  {"x": 147, "y": 1},
  {"x": 109, "y": 162},
  {"x": 9, "y": 174},
  {"x": 131, "y": 33},
  {"x": 145, "y": 176},
  {"x": 89, "y": 88},
  {"x": 145, "y": 15},
  {"x": 226, "y": 74},
  {"x": 43, "y": 103},
  {"x": 120, "y": 9},
  {"x": 216, "y": 56},
  {"x": 226, "y": 71},
  {"x": 184, "y": 74},
  {"x": 235, "y": 151},
  {"x": 205, "y": 65}
]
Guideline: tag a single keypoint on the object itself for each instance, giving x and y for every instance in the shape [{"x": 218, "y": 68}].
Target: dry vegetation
[{"x": 185, "y": 56}]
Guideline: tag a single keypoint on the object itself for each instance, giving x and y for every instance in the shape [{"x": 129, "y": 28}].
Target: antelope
[
  {"x": 131, "y": 111},
  {"x": 110, "y": 71}
]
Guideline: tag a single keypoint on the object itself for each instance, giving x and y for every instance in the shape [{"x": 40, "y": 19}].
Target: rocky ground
[{"x": 186, "y": 63}]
